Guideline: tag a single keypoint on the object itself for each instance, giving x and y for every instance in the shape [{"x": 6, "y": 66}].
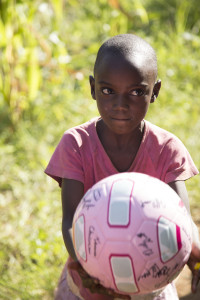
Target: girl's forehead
[{"x": 136, "y": 65}]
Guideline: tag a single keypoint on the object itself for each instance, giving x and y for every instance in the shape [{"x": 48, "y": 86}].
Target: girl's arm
[
  {"x": 72, "y": 192},
  {"x": 180, "y": 188}
]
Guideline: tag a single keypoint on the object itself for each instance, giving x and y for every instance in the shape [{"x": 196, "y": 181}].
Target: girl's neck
[
  {"x": 121, "y": 149},
  {"x": 117, "y": 142}
]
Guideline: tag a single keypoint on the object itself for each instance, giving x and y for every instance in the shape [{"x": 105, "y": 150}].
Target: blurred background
[{"x": 47, "y": 52}]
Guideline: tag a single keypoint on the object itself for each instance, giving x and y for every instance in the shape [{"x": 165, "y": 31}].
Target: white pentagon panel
[
  {"x": 169, "y": 239},
  {"x": 79, "y": 235},
  {"x": 123, "y": 274},
  {"x": 119, "y": 203}
]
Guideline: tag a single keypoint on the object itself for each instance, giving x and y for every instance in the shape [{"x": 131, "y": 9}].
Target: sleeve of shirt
[
  {"x": 178, "y": 162},
  {"x": 66, "y": 160}
]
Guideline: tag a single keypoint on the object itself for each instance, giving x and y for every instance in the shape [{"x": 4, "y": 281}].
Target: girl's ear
[
  {"x": 156, "y": 90},
  {"x": 92, "y": 86}
]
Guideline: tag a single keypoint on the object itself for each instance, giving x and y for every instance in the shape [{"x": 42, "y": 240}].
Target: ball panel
[
  {"x": 79, "y": 237},
  {"x": 155, "y": 275},
  {"x": 122, "y": 233},
  {"x": 156, "y": 197},
  {"x": 123, "y": 274},
  {"x": 169, "y": 240},
  {"x": 93, "y": 200},
  {"x": 119, "y": 203},
  {"x": 94, "y": 240},
  {"x": 145, "y": 240}
]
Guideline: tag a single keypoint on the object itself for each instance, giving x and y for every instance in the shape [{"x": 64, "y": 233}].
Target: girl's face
[{"x": 123, "y": 89}]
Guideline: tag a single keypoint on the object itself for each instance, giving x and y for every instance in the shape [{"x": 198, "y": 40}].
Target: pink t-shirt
[{"x": 81, "y": 156}]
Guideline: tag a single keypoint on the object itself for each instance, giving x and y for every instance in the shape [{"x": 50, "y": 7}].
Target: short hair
[{"x": 126, "y": 45}]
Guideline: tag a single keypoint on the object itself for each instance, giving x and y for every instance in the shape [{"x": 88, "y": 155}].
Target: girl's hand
[
  {"x": 192, "y": 263},
  {"x": 93, "y": 284}
]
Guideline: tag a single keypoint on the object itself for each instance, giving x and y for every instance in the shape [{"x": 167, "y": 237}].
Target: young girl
[{"x": 120, "y": 140}]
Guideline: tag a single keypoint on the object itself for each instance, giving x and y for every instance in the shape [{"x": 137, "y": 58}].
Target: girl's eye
[
  {"x": 137, "y": 92},
  {"x": 107, "y": 91}
]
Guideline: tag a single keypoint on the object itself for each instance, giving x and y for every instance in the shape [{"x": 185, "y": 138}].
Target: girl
[{"x": 120, "y": 140}]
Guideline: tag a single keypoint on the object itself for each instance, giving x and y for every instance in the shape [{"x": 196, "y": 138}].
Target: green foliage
[{"x": 47, "y": 51}]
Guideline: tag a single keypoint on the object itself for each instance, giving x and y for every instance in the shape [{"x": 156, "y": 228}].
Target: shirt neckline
[{"x": 105, "y": 155}]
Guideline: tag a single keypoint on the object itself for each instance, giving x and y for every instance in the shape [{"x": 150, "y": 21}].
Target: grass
[{"x": 32, "y": 251}]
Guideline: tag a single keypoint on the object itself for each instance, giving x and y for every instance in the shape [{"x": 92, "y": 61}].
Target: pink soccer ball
[{"x": 132, "y": 232}]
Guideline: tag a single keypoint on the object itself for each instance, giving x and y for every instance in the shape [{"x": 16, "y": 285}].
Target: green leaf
[{"x": 34, "y": 75}]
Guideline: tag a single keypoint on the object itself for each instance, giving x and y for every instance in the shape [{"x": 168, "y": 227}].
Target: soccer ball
[{"x": 132, "y": 232}]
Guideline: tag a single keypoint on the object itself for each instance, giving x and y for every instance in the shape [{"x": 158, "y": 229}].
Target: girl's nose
[{"x": 120, "y": 102}]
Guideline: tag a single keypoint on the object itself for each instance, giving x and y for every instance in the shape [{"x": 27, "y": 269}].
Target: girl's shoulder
[
  {"x": 87, "y": 127},
  {"x": 160, "y": 135},
  {"x": 81, "y": 136}
]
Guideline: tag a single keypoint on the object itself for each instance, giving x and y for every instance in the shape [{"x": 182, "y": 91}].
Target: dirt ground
[{"x": 183, "y": 283}]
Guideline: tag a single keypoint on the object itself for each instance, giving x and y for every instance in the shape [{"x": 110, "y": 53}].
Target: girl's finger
[
  {"x": 195, "y": 254},
  {"x": 195, "y": 280}
]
